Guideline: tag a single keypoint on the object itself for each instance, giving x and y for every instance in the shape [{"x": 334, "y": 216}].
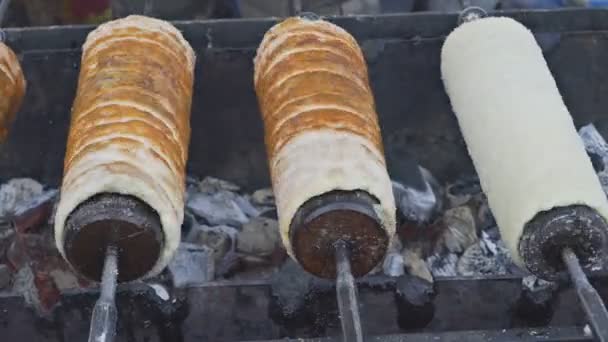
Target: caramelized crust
[
  {"x": 12, "y": 89},
  {"x": 311, "y": 75},
  {"x": 130, "y": 124}
]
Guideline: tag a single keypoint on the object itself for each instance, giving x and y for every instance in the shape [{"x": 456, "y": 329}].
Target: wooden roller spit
[
  {"x": 127, "y": 148},
  {"x": 324, "y": 145},
  {"x": 12, "y": 85},
  {"x": 540, "y": 183}
]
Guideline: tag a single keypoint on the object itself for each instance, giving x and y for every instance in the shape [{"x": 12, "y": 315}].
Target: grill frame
[{"x": 402, "y": 51}]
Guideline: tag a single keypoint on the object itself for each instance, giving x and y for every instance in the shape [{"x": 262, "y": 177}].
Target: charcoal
[
  {"x": 270, "y": 213},
  {"x": 416, "y": 266},
  {"x": 246, "y": 206},
  {"x": 417, "y": 193},
  {"x": 394, "y": 265},
  {"x": 484, "y": 258},
  {"x": 460, "y": 231},
  {"x": 36, "y": 213},
  {"x": 217, "y": 209},
  {"x": 211, "y": 185},
  {"x": 443, "y": 265},
  {"x": 263, "y": 197},
  {"x": 542, "y": 287},
  {"x": 597, "y": 149},
  {"x": 415, "y": 290},
  {"x": 191, "y": 265},
  {"x": 594, "y": 143},
  {"x": 220, "y": 239},
  {"x": 485, "y": 218},
  {"x": 259, "y": 237},
  {"x": 537, "y": 301},
  {"x": 291, "y": 285},
  {"x": 415, "y": 205},
  {"x": 462, "y": 191},
  {"x": 188, "y": 223},
  {"x": 437, "y": 188},
  {"x": 64, "y": 279},
  {"x": 24, "y": 284},
  {"x": 414, "y": 297},
  {"x": 5, "y": 276},
  {"x": 491, "y": 233}
]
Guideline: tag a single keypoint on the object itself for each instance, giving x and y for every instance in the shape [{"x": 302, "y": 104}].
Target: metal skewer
[
  {"x": 348, "y": 303},
  {"x": 591, "y": 300},
  {"x": 103, "y": 320}
]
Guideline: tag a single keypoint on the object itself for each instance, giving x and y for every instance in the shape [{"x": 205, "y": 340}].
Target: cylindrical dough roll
[
  {"x": 519, "y": 133},
  {"x": 12, "y": 85},
  {"x": 130, "y": 125},
  {"x": 320, "y": 124}
]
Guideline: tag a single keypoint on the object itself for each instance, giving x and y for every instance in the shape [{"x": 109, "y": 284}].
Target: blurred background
[{"x": 62, "y": 12}]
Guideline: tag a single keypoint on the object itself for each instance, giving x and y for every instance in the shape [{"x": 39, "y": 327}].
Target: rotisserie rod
[
  {"x": 532, "y": 165},
  {"x": 325, "y": 153},
  {"x": 122, "y": 197}
]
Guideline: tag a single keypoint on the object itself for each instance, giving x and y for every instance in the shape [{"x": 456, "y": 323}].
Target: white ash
[
  {"x": 161, "y": 291},
  {"x": 417, "y": 193},
  {"x": 36, "y": 201},
  {"x": 481, "y": 260},
  {"x": 192, "y": 265},
  {"x": 217, "y": 209},
  {"x": 443, "y": 265},
  {"x": 534, "y": 284},
  {"x": 537, "y": 290},
  {"x": 597, "y": 148},
  {"x": 16, "y": 193},
  {"x": 587, "y": 331},
  {"x": 415, "y": 205},
  {"x": 394, "y": 263}
]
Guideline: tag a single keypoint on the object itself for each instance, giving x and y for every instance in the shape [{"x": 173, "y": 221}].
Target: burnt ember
[
  {"x": 229, "y": 234},
  {"x": 232, "y": 235}
]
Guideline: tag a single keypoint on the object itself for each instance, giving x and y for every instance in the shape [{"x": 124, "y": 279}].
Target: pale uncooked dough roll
[
  {"x": 12, "y": 87},
  {"x": 519, "y": 133},
  {"x": 130, "y": 124},
  {"x": 321, "y": 128}
]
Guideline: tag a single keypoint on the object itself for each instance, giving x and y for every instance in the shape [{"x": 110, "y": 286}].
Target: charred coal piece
[
  {"x": 338, "y": 215},
  {"x": 578, "y": 227},
  {"x": 113, "y": 219},
  {"x": 536, "y": 305},
  {"x": 414, "y": 297}
]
